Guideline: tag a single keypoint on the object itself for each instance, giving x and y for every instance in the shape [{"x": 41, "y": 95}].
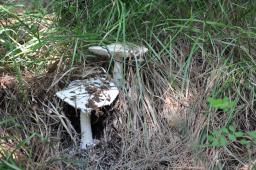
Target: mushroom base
[{"x": 86, "y": 130}]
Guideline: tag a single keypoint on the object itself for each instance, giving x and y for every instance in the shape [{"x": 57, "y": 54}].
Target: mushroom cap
[
  {"x": 125, "y": 50},
  {"x": 89, "y": 94}
]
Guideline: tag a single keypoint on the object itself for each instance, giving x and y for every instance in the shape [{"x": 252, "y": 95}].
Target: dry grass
[
  {"x": 142, "y": 131},
  {"x": 153, "y": 125},
  {"x": 161, "y": 119}
]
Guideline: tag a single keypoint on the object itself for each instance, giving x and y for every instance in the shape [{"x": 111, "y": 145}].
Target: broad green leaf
[
  {"x": 231, "y": 128},
  {"x": 215, "y": 143},
  {"x": 224, "y": 130},
  {"x": 252, "y": 134},
  {"x": 211, "y": 138},
  {"x": 244, "y": 142},
  {"x": 223, "y": 141},
  {"x": 232, "y": 137},
  {"x": 216, "y": 133},
  {"x": 224, "y": 103},
  {"x": 239, "y": 134}
]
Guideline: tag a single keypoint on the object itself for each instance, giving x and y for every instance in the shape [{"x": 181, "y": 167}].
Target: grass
[{"x": 174, "y": 105}]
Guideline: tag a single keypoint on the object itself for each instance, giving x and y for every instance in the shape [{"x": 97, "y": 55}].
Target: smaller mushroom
[
  {"x": 119, "y": 52},
  {"x": 88, "y": 95}
]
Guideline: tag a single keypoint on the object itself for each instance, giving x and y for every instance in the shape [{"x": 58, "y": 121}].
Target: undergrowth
[{"x": 189, "y": 104}]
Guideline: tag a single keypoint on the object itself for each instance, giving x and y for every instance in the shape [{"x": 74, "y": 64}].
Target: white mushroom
[
  {"x": 119, "y": 52},
  {"x": 88, "y": 95}
]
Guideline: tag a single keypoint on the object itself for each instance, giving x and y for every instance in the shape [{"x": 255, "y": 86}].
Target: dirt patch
[{"x": 7, "y": 81}]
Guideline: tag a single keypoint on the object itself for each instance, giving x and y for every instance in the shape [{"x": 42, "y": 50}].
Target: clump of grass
[{"x": 198, "y": 50}]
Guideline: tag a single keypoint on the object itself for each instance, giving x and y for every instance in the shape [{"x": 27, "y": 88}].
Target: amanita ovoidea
[
  {"x": 88, "y": 95},
  {"x": 97, "y": 92},
  {"x": 119, "y": 52}
]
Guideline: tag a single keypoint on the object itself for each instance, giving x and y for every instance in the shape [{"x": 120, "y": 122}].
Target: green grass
[{"x": 198, "y": 50}]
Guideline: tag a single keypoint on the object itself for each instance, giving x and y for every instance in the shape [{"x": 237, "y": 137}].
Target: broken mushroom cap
[
  {"x": 89, "y": 94},
  {"x": 119, "y": 49}
]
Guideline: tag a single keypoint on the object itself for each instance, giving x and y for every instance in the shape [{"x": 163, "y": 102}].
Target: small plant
[
  {"x": 224, "y": 136},
  {"x": 229, "y": 134},
  {"x": 225, "y": 104}
]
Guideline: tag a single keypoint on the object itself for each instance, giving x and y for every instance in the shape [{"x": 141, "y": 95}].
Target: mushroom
[
  {"x": 120, "y": 52},
  {"x": 88, "y": 95},
  {"x": 97, "y": 92}
]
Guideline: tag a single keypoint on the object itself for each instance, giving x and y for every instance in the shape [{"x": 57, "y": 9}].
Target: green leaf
[
  {"x": 231, "y": 128},
  {"x": 223, "y": 141},
  {"x": 224, "y": 103},
  {"x": 216, "y": 133},
  {"x": 215, "y": 143},
  {"x": 232, "y": 137},
  {"x": 244, "y": 142},
  {"x": 239, "y": 134},
  {"x": 252, "y": 134},
  {"x": 224, "y": 130},
  {"x": 211, "y": 138}
]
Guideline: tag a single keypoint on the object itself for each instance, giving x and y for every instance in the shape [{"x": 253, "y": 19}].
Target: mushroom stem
[
  {"x": 86, "y": 130},
  {"x": 118, "y": 73}
]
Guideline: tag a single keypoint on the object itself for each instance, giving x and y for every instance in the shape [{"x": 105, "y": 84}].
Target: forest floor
[{"x": 189, "y": 104}]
